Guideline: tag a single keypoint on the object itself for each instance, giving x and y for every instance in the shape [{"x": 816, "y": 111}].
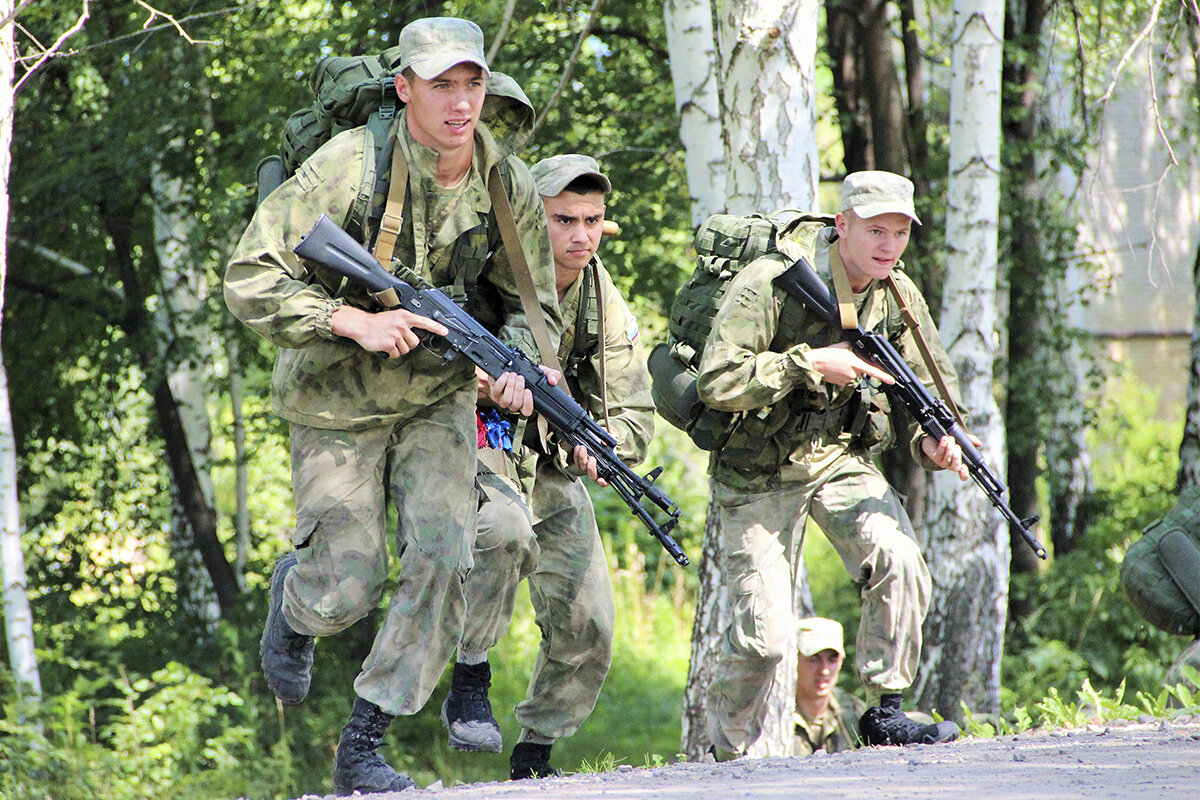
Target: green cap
[
  {"x": 433, "y": 45},
  {"x": 874, "y": 192},
  {"x": 815, "y": 634},
  {"x": 554, "y": 173}
]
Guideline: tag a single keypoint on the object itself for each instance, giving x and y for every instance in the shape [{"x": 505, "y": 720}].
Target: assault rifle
[
  {"x": 935, "y": 419},
  {"x": 331, "y": 247}
]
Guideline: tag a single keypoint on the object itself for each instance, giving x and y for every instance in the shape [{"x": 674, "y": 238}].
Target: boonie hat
[
  {"x": 876, "y": 192},
  {"x": 553, "y": 174},
  {"x": 433, "y": 45},
  {"x": 815, "y": 634}
]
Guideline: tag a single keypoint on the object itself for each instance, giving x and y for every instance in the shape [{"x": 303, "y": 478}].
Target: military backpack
[
  {"x": 1161, "y": 571},
  {"x": 724, "y": 244}
]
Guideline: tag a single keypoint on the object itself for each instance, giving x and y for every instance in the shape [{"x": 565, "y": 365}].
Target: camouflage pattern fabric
[
  {"x": 756, "y": 362},
  {"x": 835, "y": 731},
  {"x": 552, "y": 539},
  {"x": 341, "y": 481},
  {"x": 330, "y": 382},
  {"x": 790, "y": 457},
  {"x": 366, "y": 428},
  {"x": 762, "y": 533}
]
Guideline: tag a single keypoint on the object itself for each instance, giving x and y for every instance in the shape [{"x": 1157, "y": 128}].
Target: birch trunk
[
  {"x": 186, "y": 339},
  {"x": 965, "y": 544},
  {"x": 18, "y": 615},
  {"x": 766, "y": 55},
  {"x": 692, "y": 47}
]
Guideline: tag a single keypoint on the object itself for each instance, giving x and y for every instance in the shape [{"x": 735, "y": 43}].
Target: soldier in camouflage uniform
[
  {"x": 372, "y": 414},
  {"x": 826, "y": 717},
  {"x": 802, "y": 447},
  {"x": 537, "y": 522}
]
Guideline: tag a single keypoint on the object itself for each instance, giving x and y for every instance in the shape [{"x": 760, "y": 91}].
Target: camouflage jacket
[
  {"x": 630, "y": 409},
  {"x": 834, "y": 732},
  {"x": 756, "y": 361},
  {"x": 326, "y": 381}
]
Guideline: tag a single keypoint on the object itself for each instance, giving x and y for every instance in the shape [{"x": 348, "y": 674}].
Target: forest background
[{"x": 152, "y": 481}]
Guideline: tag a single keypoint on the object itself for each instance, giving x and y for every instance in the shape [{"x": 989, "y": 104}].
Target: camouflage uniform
[
  {"x": 803, "y": 447},
  {"x": 553, "y": 540},
  {"x": 835, "y": 731},
  {"x": 364, "y": 427}
]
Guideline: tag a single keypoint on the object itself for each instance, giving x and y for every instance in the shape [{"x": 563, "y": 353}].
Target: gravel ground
[{"x": 1120, "y": 761}]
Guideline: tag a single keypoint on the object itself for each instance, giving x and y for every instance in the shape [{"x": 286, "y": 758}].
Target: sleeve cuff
[{"x": 323, "y": 318}]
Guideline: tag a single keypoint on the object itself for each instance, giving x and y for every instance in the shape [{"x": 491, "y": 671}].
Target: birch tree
[
  {"x": 966, "y": 545},
  {"x": 692, "y": 46},
  {"x": 766, "y": 53}
]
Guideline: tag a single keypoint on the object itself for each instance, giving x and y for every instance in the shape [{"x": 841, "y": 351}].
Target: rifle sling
[
  {"x": 914, "y": 325},
  {"x": 520, "y": 269},
  {"x": 845, "y": 300}
]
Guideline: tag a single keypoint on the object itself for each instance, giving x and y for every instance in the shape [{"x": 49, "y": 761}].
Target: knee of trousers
[
  {"x": 898, "y": 558},
  {"x": 506, "y": 538},
  {"x": 344, "y": 601}
]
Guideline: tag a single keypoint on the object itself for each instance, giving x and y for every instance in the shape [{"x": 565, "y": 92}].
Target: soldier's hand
[
  {"x": 840, "y": 365},
  {"x": 509, "y": 393},
  {"x": 946, "y": 453},
  {"x": 586, "y": 464},
  {"x": 483, "y": 387},
  {"x": 392, "y": 333}
]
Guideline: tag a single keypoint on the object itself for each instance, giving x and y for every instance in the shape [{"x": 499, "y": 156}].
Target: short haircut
[{"x": 585, "y": 184}]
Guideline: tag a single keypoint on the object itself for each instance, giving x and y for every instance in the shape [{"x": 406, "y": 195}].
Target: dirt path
[{"x": 1130, "y": 762}]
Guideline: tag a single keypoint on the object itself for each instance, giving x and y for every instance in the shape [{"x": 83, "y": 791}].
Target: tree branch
[
  {"x": 154, "y": 12},
  {"x": 505, "y": 24},
  {"x": 74, "y": 29},
  {"x": 566, "y": 76},
  {"x": 1128, "y": 54}
]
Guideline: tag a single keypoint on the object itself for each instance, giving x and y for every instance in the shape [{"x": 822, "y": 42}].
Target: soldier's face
[
  {"x": 576, "y": 222},
  {"x": 443, "y": 112},
  {"x": 871, "y": 247},
  {"x": 817, "y": 675}
]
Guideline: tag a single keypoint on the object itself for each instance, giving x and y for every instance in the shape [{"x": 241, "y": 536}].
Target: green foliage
[{"x": 1081, "y": 626}]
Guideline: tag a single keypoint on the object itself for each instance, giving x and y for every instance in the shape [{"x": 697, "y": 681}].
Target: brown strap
[
  {"x": 603, "y": 345},
  {"x": 520, "y": 269},
  {"x": 841, "y": 286},
  {"x": 914, "y": 325},
  {"x": 393, "y": 212}
]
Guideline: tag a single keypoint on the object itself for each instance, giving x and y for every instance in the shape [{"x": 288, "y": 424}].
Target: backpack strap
[
  {"x": 841, "y": 287},
  {"x": 914, "y": 325},
  {"x": 393, "y": 211},
  {"x": 591, "y": 285},
  {"x": 520, "y": 267}
]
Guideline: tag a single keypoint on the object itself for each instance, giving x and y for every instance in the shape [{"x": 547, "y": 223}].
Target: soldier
[
  {"x": 366, "y": 426},
  {"x": 826, "y": 717},
  {"x": 537, "y": 522},
  {"x": 801, "y": 447}
]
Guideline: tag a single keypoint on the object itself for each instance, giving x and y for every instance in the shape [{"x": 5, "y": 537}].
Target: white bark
[
  {"x": 692, "y": 48},
  {"x": 767, "y": 51},
  {"x": 967, "y": 544},
  {"x": 187, "y": 342},
  {"x": 18, "y": 615}
]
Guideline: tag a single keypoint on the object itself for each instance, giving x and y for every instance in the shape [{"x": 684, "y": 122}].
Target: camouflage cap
[
  {"x": 815, "y": 634},
  {"x": 554, "y": 173},
  {"x": 874, "y": 192},
  {"x": 432, "y": 45}
]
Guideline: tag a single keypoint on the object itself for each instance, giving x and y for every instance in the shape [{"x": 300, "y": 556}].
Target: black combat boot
[
  {"x": 287, "y": 656},
  {"x": 467, "y": 712},
  {"x": 358, "y": 767},
  {"x": 886, "y": 724},
  {"x": 529, "y": 760}
]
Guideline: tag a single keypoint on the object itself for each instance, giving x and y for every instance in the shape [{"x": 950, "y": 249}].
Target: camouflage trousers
[
  {"x": 554, "y": 543},
  {"x": 762, "y": 534},
  {"x": 342, "y": 481}
]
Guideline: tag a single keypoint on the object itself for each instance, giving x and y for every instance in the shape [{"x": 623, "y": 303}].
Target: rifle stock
[
  {"x": 331, "y": 247},
  {"x": 802, "y": 282}
]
